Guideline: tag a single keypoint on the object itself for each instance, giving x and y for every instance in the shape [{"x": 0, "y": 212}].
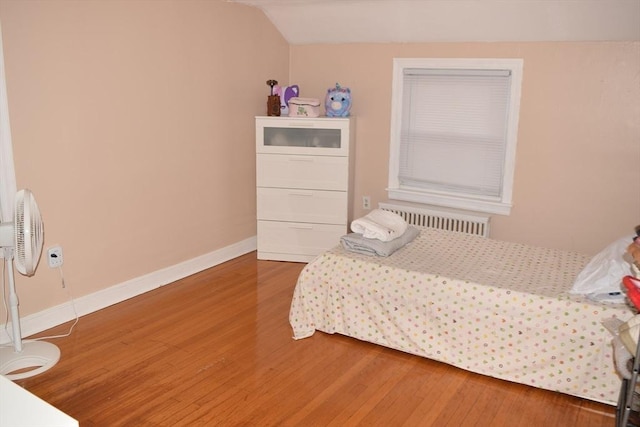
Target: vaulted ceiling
[{"x": 380, "y": 21}]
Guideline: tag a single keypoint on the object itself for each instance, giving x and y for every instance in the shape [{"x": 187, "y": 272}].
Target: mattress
[{"x": 492, "y": 307}]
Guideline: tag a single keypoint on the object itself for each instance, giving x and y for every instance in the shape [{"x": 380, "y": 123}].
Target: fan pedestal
[{"x": 35, "y": 358}]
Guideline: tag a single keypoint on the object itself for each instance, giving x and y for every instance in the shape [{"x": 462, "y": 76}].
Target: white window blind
[
  {"x": 455, "y": 136},
  {"x": 454, "y": 115}
]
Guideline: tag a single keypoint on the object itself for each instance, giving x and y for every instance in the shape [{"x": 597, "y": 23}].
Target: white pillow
[{"x": 604, "y": 273}]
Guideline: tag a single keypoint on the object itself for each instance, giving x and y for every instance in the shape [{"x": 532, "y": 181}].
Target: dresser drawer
[
  {"x": 297, "y": 135},
  {"x": 280, "y": 204},
  {"x": 312, "y": 172},
  {"x": 294, "y": 238}
]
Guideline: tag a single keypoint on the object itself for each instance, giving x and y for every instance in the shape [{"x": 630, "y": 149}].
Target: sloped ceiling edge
[{"x": 406, "y": 21}]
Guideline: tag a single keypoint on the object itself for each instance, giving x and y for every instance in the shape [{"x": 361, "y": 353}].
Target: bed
[{"x": 495, "y": 308}]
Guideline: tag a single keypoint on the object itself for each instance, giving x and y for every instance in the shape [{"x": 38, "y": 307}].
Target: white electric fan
[{"x": 22, "y": 242}]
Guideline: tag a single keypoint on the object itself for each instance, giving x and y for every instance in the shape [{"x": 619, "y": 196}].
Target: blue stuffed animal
[{"x": 337, "y": 103}]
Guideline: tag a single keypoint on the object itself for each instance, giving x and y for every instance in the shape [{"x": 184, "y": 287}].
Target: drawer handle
[
  {"x": 300, "y": 125},
  {"x": 301, "y": 226},
  {"x": 301, "y": 159},
  {"x": 301, "y": 193}
]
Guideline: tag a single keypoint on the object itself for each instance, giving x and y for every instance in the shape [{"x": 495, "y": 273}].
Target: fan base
[{"x": 35, "y": 358}]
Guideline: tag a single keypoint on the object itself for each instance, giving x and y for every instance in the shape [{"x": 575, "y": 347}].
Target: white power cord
[{"x": 4, "y": 301}]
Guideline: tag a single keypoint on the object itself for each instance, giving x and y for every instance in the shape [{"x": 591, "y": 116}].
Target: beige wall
[
  {"x": 132, "y": 123},
  {"x": 577, "y": 178}
]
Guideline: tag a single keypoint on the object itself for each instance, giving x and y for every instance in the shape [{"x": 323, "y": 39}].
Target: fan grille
[{"x": 28, "y": 233}]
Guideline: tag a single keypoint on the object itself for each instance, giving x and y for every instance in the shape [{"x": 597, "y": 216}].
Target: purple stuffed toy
[
  {"x": 286, "y": 93},
  {"x": 337, "y": 103}
]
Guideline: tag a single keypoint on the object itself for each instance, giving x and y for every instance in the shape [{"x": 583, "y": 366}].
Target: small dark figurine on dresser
[{"x": 273, "y": 101}]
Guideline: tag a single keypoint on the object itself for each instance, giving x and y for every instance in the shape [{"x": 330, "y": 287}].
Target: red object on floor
[{"x": 633, "y": 289}]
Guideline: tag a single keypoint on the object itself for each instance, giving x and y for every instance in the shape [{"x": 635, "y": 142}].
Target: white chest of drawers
[{"x": 304, "y": 177}]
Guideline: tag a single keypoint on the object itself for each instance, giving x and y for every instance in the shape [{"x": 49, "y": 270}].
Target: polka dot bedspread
[{"x": 491, "y": 307}]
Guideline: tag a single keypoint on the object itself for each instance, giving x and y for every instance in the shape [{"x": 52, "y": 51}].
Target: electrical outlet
[
  {"x": 55, "y": 256},
  {"x": 366, "y": 202}
]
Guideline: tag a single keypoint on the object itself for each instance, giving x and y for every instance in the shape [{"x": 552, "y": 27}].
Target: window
[{"x": 454, "y": 125}]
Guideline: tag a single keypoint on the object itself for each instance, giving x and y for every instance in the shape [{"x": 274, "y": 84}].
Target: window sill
[{"x": 450, "y": 201}]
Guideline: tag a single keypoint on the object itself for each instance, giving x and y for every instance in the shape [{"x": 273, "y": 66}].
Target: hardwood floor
[{"x": 215, "y": 349}]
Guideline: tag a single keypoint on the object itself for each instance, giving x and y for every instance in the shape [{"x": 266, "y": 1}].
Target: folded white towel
[
  {"x": 380, "y": 224},
  {"x": 354, "y": 242}
]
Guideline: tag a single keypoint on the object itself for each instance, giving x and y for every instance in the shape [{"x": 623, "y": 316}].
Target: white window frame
[
  {"x": 7, "y": 168},
  {"x": 498, "y": 205}
]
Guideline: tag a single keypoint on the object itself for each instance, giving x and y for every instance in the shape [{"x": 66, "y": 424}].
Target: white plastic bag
[{"x": 603, "y": 274}]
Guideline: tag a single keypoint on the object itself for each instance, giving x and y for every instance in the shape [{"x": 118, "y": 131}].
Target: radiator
[{"x": 463, "y": 222}]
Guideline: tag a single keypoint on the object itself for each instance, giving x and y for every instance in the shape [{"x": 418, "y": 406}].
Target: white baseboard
[{"x": 54, "y": 316}]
